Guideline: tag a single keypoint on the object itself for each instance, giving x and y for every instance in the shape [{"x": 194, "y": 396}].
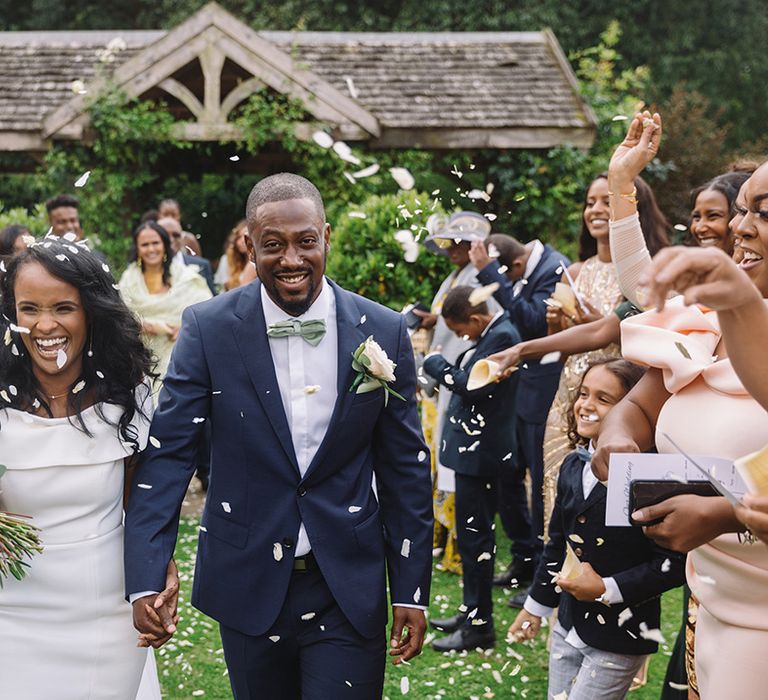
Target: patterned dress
[{"x": 597, "y": 283}]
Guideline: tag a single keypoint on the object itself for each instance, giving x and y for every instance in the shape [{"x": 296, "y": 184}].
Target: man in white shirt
[{"x": 294, "y": 541}]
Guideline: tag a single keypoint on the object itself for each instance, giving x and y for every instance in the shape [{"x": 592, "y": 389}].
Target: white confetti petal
[
  {"x": 624, "y": 615},
  {"x": 681, "y": 227},
  {"x": 349, "y": 683},
  {"x": 421, "y": 456},
  {"x": 576, "y": 538},
  {"x": 14, "y": 391},
  {"x": 417, "y": 595},
  {"x": 344, "y": 152},
  {"x": 307, "y": 616},
  {"x": 363, "y": 319},
  {"x": 225, "y": 505},
  {"x": 274, "y": 638},
  {"x": 403, "y": 178},
  {"x": 367, "y": 172},
  {"x": 198, "y": 420},
  {"x": 482, "y": 294},
  {"x": 620, "y": 118},
  {"x": 665, "y": 566},
  {"x": 144, "y": 486},
  {"x": 485, "y": 556},
  {"x": 234, "y": 159},
  {"x": 357, "y": 215},
  {"x": 80, "y": 182},
  {"x": 4, "y": 395},
  {"x": 354, "y": 509},
  {"x": 100, "y": 374},
  {"x": 322, "y": 139},
  {"x": 105, "y": 267},
  {"x": 277, "y": 551},
  {"x": 351, "y": 87},
  {"x": 706, "y": 579},
  {"x": 154, "y": 441},
  {"x": 19, "y": 329},
  {"x": 549, "y": 358},
  {"x": 405, "y": 685},
  {"x": 405, "y": 549},
  {"x": 311, "y": 389},
  {"x": 78, "y": 387},
  {"x": 653, "y": 635}
]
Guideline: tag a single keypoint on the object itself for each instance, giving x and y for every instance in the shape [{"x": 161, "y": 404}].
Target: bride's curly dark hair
[{"x": 120, "y": 361}]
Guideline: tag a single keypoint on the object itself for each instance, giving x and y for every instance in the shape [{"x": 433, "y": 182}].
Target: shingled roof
[{"x": 433, "y": 90}]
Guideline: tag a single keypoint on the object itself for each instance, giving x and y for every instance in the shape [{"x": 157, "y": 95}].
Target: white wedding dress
[{"x": 66, "y": 631}]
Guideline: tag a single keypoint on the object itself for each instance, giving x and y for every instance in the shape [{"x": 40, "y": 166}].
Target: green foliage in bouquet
[
  {"x": 366, "y": 257},
  {"x": 18, "y": 539}
]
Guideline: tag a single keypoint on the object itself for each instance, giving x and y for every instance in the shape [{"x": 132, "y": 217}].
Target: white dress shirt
[
  {"x": 300, "y": 369},
  {"x": 533, "y": 260}
]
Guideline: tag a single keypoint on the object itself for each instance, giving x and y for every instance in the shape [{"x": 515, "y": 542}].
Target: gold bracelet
[{"x": 631, "y": 197}]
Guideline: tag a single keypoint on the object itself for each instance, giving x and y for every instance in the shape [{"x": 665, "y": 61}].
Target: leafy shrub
[{"x": 365, "y": 257}]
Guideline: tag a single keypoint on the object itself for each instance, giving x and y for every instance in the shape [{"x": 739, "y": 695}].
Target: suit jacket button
[
  {"x": 287, "y": 542},
  {"x": 302, "y": 491},
  {"x": 581, "y": 519},
  {"x": 578, "y": 551}
]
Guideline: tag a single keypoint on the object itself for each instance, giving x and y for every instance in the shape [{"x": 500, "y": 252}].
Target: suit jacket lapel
[
  {"x": 253, "y": 343},
  {"x": 350, "y": 333}
]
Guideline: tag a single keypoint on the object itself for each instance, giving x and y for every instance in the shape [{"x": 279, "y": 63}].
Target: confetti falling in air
[
  {"x": 550, "y": 358},
  {"x": 367, "y": 172},
  {"x": 576, "y": 538},
  {"x": 448, "y": 379},
  {"x": 351, "y": 87},
  {"x": 145, "y": 486},
  {"x": 83, "y": 179},
  {"x": 354, "y": 509},
  {"x": 405, "y": 685},
  {"x": 485, "y": 556},
  {"x": 405, "y": 549},
  {"x": 198, "y": 420},
  {"x": 275, "y": 638},
  {"x": 482, "y": 294},
  {"x": 665, "y": 566},
  {"x": 357, "y": 215},
  {"x": 225, "y": 505},
  {"x": 624, "y": 615},
  {"x": 18, "y": 329},
  {"x": 653, "y": 635},
  {"x": 417, "y": 595},
  {"x": 105, "y": 267},
  {"x": 234, "y": 158},
  {"x": 348, "y": 683},
  {"x": 154, "y": 441},
  {"x": 198, "y": 693},
  {"x": 322, "y": 139},
  {"x": 277, "y": 551},
  {"x": 78, "y": 387},
  {"x": 363, "y": 319},
  {"x": 403, "y": 178},
  {"x": 99, "y": 374},
  {"x": 421, "y": 456},
  {"x": 78, "y": 87},
  {"x": 344, "y": 152},
  {"x": 307, "y": 616},
  {"x": 4, "y": 395},
  {"x": 620, "y": 118},
  {"x": 681, "y": 227},
  {"x": 61, "y": 359}
]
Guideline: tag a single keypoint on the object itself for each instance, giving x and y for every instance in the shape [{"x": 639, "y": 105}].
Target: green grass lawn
[{"x": 192, "y": 664}]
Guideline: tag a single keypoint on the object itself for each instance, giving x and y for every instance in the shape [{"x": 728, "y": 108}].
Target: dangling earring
[
  {"x": 90, "y": 344},
  {"x": 165, "y": 257},
  {"x": 141, "y": 265}
]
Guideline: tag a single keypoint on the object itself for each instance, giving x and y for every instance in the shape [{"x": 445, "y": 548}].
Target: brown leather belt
[{"x": 305, "y": 563}]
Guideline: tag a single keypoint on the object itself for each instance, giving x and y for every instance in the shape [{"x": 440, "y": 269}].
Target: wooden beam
[
  {"x": 22, "y": 141},
  {"x": 242, "y": 92},
  {"x": 518, "y": 138},
  {"x": 183, "y": 94},
  {"x": 212, "y": 62}
]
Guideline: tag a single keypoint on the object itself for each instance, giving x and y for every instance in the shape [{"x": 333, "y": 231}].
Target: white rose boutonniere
[{"x": 374, "y": 369}]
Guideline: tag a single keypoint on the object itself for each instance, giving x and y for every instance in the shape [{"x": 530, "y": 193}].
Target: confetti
[
  {"x": 348, "y": 683},
  {"x": 665, "y": 566},
  {"x": 417, "y": 595},
  {"x": 620, "y": 118},
  {"x": 307, "y": 616},
  {"x": 576, "y": 538},
  {"x": 198, "y": 420},
  {"x": 357, "y": 215},
  {"x": 405, "y": 685},
  {"x": 351, "y": 87},
  {"x": 344, "y": 152},
  {"x": 78, "y": 87},
  {"x": 234, "y": 159},
  {"x": 18, "y": 329},
  {"x": 367, "y": 172},
  {"x": 681, "y": 227},
  {"x": 145, "y": 486},
  {"x": 322, "y": 139},
  {"x": 363, "y": 319},
  {"x": 405, "y": 549},
  {"x": 83, "y": 179},
  {"x": 225, "y": 505},
  {"x": 706, "y": 579},
  {"x": 311, "y": 389},
  {"x": 403, "y": 178},
  {"x": 479, "y": 194},
  {"x": 482, "y": 294},
  {"x": 78, "y": 387},
  {"x": 421, "y": 456},
  {"x": 677, "y": 686},
  {"x": 624, "y": 615},
  {"x": 653, "y": 635},
  {"x": 4, "y": 395},
  {"x": 61, "y": 359},
  {"x": 485, "y": 556},
  {"x": 277, "y": 551},
  {"x": 550, "y": 358},
  {"x": 354, "y": 509}
]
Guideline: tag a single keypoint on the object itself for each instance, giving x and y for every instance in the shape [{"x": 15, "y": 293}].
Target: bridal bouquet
[{"x": 18, "y": 539}]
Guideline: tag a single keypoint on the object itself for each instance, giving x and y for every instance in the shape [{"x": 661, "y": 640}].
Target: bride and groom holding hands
[{"x": 320, "y": 491}]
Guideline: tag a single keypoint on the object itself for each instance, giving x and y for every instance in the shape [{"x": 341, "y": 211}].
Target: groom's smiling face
[{"x": 289, "y": 243}]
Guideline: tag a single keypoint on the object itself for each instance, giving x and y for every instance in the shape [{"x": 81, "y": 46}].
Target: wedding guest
[
  {"x": 77, "y": 409},
  {"x": 526, "y": 275},
  {"x": 477, "y": 442},
  {"x": 596, "y": 284},
  {"x": 64, "y": 215},
  {"x": 609, "y": 608},
  {"x": 169, "y": 208},
  {"x": 182, "y": 254},
  {"x": 451, "y": 238},
  {"x": 158, "y": 287},
  {"x": 240, "y": 269},
  {"x": 12, "y": 240},
  {"x": 731, "y": 624}
]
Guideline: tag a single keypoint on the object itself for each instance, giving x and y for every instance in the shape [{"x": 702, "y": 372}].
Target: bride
[{"x": 75, "y": 409}]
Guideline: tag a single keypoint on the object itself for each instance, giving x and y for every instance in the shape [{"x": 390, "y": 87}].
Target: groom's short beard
[{"x": 294, "y": 307}]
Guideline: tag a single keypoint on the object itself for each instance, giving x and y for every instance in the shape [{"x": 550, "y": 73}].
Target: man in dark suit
[
  {"x": 526, "y": 275},
  {"x": 296, "y": 541},
  {"x": 175, "y": 233},
  {"x": 478, "y": 438}
]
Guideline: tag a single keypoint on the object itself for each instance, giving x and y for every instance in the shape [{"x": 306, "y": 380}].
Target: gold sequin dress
[{"x": 597, "y": 283}]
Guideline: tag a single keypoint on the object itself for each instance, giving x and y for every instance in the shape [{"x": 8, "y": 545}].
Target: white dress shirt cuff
[
  {"x": 612, "y": 594},
  {"x": 409, "y": 605},
  {"x": 534, "y": 608},
  {"x": 135, "y": 596}
]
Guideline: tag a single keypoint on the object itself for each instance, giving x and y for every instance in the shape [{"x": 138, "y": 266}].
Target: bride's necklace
[{"x": 53, "y": 397}]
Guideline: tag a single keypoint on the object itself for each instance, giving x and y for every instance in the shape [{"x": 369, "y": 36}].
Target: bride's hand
[
  {"x": 638, "y": 148},
  {"x": 156, "y": 619}
]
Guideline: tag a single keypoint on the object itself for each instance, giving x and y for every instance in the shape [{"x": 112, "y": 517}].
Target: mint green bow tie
[{"x": 312, "y": 331}]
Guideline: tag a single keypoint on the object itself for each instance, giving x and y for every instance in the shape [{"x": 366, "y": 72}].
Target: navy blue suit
[
  {"x": 221, "y": 370},
  {"x": 478, "y": 442},
  {"x": 537, "y": 388},
  {"x": 641, "y": 569}
]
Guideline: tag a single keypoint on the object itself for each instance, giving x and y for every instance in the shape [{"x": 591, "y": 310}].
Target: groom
[{"x": 296, "y": 540}]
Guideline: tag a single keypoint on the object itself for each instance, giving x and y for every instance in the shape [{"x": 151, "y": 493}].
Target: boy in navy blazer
[
  {"x": 526, "y": 275},
  {"x": 478, "y": 441}
]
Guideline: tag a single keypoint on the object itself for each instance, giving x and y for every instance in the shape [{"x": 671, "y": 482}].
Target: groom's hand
[
  {"x": 407, "y": 636},
  {"x": 155, "y": 616}
]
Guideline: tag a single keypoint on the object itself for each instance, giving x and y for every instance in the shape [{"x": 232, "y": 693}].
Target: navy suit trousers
[{"x": 311, "y": 652}]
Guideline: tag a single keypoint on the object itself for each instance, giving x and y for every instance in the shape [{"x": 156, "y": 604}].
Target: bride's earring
[{"x": 90, "y": 345}]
